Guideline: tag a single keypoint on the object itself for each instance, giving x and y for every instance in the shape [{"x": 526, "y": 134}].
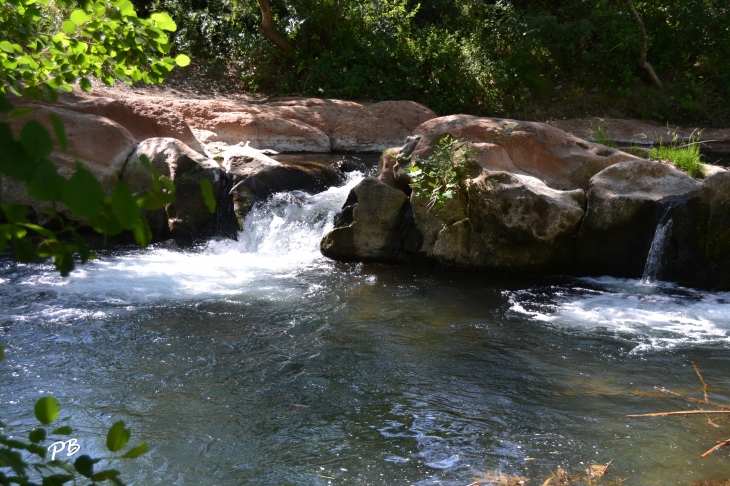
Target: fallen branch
[
  {"x": 721, "y": 444},
  {"x": 691, "y": 399},
  {"x": 681, "y": 412},
  {"x": 704, "y": 383}
]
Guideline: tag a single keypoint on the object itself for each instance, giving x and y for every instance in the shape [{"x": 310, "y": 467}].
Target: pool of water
[{"x": 258, "y": 361}]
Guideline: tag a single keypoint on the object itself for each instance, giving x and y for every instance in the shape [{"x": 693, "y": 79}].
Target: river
[{"x": 258, "y": 361}]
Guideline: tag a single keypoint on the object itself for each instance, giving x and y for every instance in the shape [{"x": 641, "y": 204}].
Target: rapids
[{"x": 258, "y": 361}]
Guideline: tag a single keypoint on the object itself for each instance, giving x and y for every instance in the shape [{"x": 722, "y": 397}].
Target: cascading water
[
  {"x": 259, "y": 361},
  {"x": 225, "y": 218},
  {"x": 654, "y": 259}
]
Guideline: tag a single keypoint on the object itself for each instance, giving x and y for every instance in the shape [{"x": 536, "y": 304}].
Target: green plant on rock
[
  {"x": 685, "y": 157},
  {"x": 441, "y": 176}
]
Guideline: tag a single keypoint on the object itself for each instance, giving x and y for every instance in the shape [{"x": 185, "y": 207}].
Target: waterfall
[
  {"x": 226, "y": 225},
  {"x": 654, "y": 260}
]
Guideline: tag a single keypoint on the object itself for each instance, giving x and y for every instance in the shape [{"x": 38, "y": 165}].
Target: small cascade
[
  {"x": 225, "y": 216},
  {"x": 654, "y": 260}
]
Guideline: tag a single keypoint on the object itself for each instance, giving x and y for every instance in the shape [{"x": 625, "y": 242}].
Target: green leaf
[
  {"x": 68, "y": 27},
  {"x": 106, "y": 223},
  {"x": 3, "y": 244},
  {"x": 2, "y": 349},
  {"x": 47, "y": 410},
  {"x": 83, "y": 194},
  {"x": 62, "y": 464},
  {"x": 7, "y": 47},
  {"x": 40, "y": 230},
  {"x": 83, "y": 249},
  {"x": 16, "y": 213},
  {"x": 164, "y": 21},
  {"x": 125, "y": 206},
  {"x": 85, "y": 85},
  {"x": 36, "y": 140},
  {"x": 15, "y": 162},
  {"x": 142, "y": 233},
  {"x": 65, "y": 430},
  {"x": 59, "y": 130},
  {"x": 57, "y": 479},
  {"x": 104, "y": 475},
  {"x": 117, "y": 437},
  {"x": 79, "y": 17},
  {"x": 37, "y": 435},
  {"x": 137, "y": 451},
  {"x": 20, "y": 112},
  {"x": 45, "y": 184},
  {"x": 85, "y": 465},
  {"x": 14, "y": 460},
  {"x": 206, "y": 187},
  {"x": 182, "y": 60}
]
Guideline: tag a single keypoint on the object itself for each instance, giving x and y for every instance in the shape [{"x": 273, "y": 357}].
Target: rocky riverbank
[{"x": 539, "y": 200}]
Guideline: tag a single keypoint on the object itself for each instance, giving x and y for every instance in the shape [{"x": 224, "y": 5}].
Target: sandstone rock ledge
[
  {"x": 226, "y": 142},
  {"x": 541, "y": 202}
]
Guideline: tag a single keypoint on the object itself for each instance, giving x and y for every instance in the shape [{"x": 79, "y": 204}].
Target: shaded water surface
[{"x": 261, "y": 362}]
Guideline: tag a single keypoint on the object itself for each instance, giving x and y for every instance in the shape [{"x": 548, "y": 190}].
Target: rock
[
  {"x": 697, "y": 252},
  {"x": 100, "y": 144},
  {"x": 256, "y": 176},
  {"x": 561, "y": 160},
  {"x": 143, "y": 118},
  {"x": 625, "y": 203},
  {"x": 188, "y": 216},
  {"x": 374, "y": 234},
  {"x": 309, "y": 124},
  {"x": 520, "y": 225},
  {"x": 644, "y": 133},
  {"x": 429, "y": 225},
  {"x": 266, "y": 131}
]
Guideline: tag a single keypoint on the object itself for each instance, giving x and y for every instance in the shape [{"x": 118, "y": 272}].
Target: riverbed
[{"x": 259, "y": 361}]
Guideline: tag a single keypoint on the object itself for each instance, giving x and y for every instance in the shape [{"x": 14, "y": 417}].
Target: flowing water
[{"x": 258, "y": 361}]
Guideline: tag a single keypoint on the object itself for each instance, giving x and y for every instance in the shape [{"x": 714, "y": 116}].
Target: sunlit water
[{"x": 261, "y": 362}]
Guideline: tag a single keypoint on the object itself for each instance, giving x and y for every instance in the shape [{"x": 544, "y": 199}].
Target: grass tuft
[{"x": 684, "y": 157}]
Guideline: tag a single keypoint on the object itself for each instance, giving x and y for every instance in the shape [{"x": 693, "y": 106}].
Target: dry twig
[
  {"x": 704, "y": 383},
  {"x": 681, "y": 412},
  {"x": 718, "y": 446}
]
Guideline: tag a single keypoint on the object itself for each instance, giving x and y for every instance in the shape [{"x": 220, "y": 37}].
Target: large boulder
[
  {"x": 625, "y": 204},
  {"x": 697, "y": 253},
  {"x": 562, "y": 161},
  {"x": 188, "y": 216},
  {"x": 99, "y": 143},
  {"x": 520, "y": 225},
  {"x": 374, "y": 231},
  {"x": 143, "y": 118},
  {"x": 310, "y": 124}
]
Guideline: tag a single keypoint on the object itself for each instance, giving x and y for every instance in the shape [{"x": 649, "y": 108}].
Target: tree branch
[
  {"x": 269, "y": 31},
  {"x": 644, "y": 48}
]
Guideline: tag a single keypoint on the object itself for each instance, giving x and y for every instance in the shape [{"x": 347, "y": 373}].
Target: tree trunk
[
  {"x": 644, "y": 48},
  {"x": 267, "y": 28}
]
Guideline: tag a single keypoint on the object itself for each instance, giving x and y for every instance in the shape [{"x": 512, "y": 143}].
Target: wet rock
[
  {"x": 561, "y": 160},
  {"x": 188, "y": 216},
  {"x": 625, "y": 203},
  {"x": 697, "y": 252},
  {"x": 257, "y": 176},
  {"x": 375, "y": 231}
]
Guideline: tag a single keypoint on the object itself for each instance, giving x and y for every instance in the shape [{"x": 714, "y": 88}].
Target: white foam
[
  {"x": 657, "y": 316},
  {"x": 280, "y": 238}
]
